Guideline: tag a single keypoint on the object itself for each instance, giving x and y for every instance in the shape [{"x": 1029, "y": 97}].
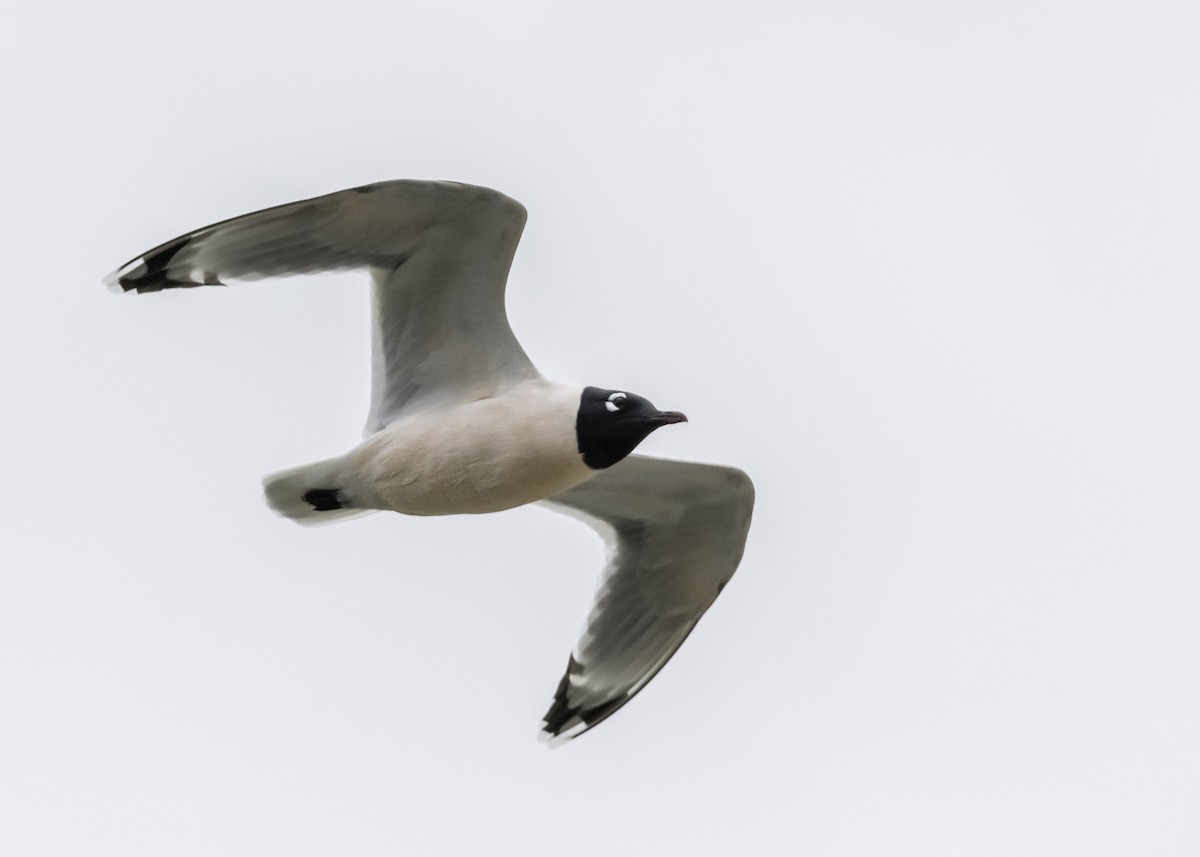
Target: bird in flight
[{"x": 461, "y": 422}]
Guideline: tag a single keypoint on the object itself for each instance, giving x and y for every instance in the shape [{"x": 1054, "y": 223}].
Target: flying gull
[{"x": 461, "y": 422}]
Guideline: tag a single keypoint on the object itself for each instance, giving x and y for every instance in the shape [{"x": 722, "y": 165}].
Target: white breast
[{"x": 482, "y": 456}]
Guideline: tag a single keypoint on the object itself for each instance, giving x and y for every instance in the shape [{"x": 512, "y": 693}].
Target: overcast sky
[{"x": 928, "y": 272}]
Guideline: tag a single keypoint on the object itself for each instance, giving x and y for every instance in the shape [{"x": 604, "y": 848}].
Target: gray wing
[
  {"x": 438, "y": 253},
  {"x": 675, "y": 532}
]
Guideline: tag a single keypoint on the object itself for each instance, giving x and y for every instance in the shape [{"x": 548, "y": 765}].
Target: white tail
[{"x": 312, "y": 493}]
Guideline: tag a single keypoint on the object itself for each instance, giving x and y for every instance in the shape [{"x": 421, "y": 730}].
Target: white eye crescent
[{"x": 615, "y": 401}]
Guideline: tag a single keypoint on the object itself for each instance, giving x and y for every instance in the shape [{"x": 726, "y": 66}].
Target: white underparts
[{"x": 482, "y": 456}]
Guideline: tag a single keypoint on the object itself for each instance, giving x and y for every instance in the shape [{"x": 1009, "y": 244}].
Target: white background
[{"x": 927, "y": 271}]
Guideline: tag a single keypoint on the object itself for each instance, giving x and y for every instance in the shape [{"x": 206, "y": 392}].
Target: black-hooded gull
[{"x": 462, "y": 422}]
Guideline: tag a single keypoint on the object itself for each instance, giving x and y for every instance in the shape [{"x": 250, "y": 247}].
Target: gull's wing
[
  {"x": 439, "y": 255},
  {"x": 675, "y": 533}
]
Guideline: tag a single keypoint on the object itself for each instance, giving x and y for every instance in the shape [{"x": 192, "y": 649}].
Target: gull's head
[{"x": 611, "y": 423}]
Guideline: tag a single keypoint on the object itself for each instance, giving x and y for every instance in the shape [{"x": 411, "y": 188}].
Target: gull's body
[
  {"x": 461, "y": 422},
  {"x": 457, "y": 459}
]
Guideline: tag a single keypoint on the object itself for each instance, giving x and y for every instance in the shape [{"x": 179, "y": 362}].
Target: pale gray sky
[{"x": 928, "y": 272}]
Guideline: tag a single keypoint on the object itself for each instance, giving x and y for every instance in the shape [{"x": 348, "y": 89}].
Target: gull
[{"x": 461, "y": 422}]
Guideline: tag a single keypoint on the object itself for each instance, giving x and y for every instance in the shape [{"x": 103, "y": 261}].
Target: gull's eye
[{"x": 615, "y": 402}]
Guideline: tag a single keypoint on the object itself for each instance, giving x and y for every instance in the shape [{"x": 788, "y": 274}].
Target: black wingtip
[
  {"x": 561, "y": 712},
  {"x": 149, "y": 273},
  {"x": 565, "y": 721}
]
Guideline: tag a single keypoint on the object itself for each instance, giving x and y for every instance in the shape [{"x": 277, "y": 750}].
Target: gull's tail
[{"x": 312, "y": 493}]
